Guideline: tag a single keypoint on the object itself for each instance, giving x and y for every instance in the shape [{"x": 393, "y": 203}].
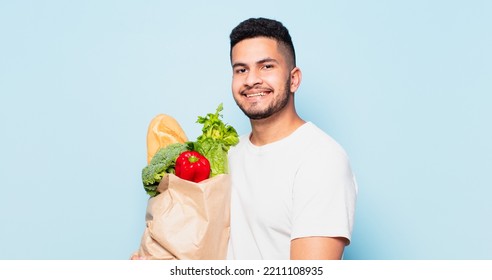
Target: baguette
[{"x": 163, "y": 130}]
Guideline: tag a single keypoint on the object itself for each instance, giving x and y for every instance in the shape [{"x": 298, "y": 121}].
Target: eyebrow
[
  {"x": 238, "y": 64},
  {"x": 261, "y": 61},
  {"x": 267, "y": 59}
]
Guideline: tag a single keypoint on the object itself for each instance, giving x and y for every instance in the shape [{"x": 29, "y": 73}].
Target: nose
[{"x": 252, "y": 78}]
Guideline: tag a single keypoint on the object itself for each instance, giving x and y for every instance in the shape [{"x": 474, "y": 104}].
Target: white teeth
[{"x": 256, "y": 94}]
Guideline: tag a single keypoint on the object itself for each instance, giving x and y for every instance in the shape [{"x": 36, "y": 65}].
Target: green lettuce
[{"x": 216, "y": 139}]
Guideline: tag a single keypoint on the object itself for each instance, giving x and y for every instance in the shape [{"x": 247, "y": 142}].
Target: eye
[
  {"x": 240, "y": 70},
  {"x": 267, "y": 66}
]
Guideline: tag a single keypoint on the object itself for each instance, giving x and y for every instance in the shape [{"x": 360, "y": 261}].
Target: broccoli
[{"x": 161, "y": 164}]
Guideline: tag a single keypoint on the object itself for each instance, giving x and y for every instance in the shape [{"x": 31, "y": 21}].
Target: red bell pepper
[{"x": 192, "y": 166}]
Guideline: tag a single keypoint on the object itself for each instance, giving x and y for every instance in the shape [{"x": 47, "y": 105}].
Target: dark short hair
[{"x": 263, "y": 27}]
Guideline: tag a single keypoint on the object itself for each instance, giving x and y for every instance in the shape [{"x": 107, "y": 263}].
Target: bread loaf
[{"x": 163, "y": 130}]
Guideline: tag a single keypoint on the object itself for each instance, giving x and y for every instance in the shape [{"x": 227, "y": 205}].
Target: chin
[{"x": 258, "y": 115}]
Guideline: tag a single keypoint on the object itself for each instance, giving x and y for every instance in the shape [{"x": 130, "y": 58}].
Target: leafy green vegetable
[
  {"x": 215, "y": 128},
  {"x": 215, "y": 141},
  {"x": 163, "y": 162}
]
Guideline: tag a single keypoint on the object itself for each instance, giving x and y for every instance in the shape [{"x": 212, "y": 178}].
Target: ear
[{"x": 295, "y": 79}]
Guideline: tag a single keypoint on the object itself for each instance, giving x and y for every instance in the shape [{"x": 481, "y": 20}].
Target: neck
[{"x": 274, "y": 128}]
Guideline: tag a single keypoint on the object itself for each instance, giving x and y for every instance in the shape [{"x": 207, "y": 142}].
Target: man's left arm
[
  {"x": 317, "y": 248},
  {"x": 324, "y": 197}
]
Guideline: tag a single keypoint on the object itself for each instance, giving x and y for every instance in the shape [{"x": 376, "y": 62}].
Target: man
[{"x": 293, "y": 191}]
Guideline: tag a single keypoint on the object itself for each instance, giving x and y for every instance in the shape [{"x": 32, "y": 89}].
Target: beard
[{"x": 277, "y": 105}]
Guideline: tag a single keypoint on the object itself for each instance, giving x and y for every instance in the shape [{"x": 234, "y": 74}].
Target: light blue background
[{"x": 404, "y": 86}]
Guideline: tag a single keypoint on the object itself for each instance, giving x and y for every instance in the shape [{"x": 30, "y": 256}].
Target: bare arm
[{"x": 317, "y": 248}]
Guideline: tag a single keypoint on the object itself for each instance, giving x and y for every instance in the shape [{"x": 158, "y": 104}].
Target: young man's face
[{"x": 261, "y": 77}]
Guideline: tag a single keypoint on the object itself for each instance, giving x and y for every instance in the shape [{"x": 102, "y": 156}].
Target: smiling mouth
[{"x": 256, "y": 94}]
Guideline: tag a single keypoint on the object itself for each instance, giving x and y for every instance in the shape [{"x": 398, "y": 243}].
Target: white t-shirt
[{"x": 299, "y": 186}]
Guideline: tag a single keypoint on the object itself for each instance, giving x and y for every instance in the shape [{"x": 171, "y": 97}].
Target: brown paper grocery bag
[{"x": 188, "y": 220}]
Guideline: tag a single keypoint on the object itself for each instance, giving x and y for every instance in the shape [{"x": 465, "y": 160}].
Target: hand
[{"x": 136, "y": 256}]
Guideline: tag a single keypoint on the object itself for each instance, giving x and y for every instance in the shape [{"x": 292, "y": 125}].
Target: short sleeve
[{"x": 324, "y": 194}]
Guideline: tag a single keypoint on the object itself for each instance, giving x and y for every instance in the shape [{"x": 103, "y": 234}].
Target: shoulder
[{"x": 322, "y": 142}]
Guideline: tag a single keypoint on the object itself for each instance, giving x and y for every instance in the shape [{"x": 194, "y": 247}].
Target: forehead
[{"x": 254, "y": 49}]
